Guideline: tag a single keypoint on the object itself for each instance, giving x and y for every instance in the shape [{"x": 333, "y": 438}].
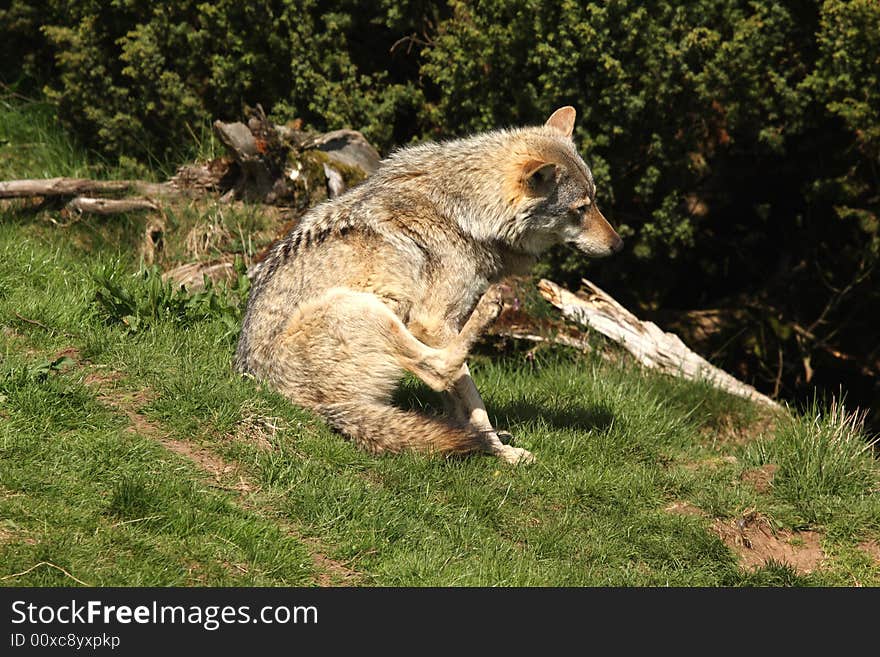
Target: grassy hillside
[{"x": 131, "y": 454}]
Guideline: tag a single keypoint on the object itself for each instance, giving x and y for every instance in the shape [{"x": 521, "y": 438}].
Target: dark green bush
[
  {"x": 737, "y": 144},
  {"x": 141, "y": 78}
]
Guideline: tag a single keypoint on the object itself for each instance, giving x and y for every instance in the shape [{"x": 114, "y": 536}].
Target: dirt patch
[
  {"x": 756, "y": 542},
  {"x": 14, "y": 535},
  {"x": 683, "y": 509},
  {"x": 711, "y": 463},
  {"x": 872, "y": 549},
  {"x": 70, "y": 352},
  {"x": 240, "y": 567},
  {"x": 195, "y": 574},
  {"x": 12, "y": 334},
  {"x": 330, "y": 572},
  {"x": 102, "y": 378},
  {"x": 215, "y": 466},
  {"x": 730, "y": 432},
  {"x": 225, "y": 474},
  {"x": 761, "y": 478}
]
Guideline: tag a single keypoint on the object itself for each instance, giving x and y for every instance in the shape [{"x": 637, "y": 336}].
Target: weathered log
[
  {"x": 79, "y": 186},
  {"x": 107, "y": 206},
  {"x": 257, "y": 177},
  {"x": 647, "y": 342},
  {"x": 216, "y": 175},
  {"x": 346, "y": 147},
  {"x": 279, "y": 164}
]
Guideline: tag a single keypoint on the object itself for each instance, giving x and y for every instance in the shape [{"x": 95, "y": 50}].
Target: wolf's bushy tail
[{"x": 379, "y": 428}]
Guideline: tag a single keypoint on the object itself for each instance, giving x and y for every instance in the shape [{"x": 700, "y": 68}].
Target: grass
[
  {"x": 827, "y": 471},
  {"x": 131, "y": 454}
]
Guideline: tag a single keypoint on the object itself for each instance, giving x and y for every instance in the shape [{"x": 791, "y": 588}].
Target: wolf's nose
[{"x": 617, "y": 245}]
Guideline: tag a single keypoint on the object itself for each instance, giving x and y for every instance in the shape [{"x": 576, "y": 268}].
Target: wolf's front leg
[
  {"x": 468, "y": 405},
  {"x": 464, "y": 398}
]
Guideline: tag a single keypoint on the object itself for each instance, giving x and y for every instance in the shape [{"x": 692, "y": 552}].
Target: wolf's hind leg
[
  {"x": 342, "y": 355},
  {"x": 350, "y": 348},
  {"x": 442, "y": 368}
]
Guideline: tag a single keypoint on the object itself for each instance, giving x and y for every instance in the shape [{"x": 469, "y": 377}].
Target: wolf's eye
[
  {"x": 580, "y": 208},
  {"x": 578, "y": 214}
]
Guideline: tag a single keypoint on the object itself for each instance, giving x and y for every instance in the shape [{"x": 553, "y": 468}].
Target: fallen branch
[
  {"x": 271, "y": 160},
  {"x": 649, "y": 344},
  {"x": 80, "y": 186},
  {"x": 105, "y": 206},
  {"x": 276, "y": 165}
]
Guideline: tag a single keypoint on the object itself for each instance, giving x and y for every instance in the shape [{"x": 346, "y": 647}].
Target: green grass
[
  {"x": 827, "y": 470},
  {"x": 131, "y": 454}
]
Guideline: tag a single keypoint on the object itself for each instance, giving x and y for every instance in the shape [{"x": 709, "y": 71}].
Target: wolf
[{"x": 404, "y": 273}]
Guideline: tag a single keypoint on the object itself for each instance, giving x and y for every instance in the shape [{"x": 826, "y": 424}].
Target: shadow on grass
[
  {"x": 586, "y": 418},
  {"x": 416, "y": 396}
]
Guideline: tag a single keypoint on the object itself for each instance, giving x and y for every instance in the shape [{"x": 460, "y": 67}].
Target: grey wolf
[{"x": 403, "y": 273}]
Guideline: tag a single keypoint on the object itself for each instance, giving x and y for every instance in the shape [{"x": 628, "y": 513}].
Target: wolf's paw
[
  {"x": 492, "y": 302},
  {"x": 516, "y": 455}
]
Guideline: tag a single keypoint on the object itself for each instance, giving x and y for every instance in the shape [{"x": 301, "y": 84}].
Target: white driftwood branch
[
  {"x": 649, "y": 344},
  {"x": 85, "y": 204}
]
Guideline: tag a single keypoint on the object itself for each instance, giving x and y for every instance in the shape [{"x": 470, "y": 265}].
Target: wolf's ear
[
  {"x": 563, "y": 120},
  {"x": 539, "y": 178}
]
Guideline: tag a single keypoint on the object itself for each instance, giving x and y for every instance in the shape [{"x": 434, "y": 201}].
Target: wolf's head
[{"x": 554, "y": 192}]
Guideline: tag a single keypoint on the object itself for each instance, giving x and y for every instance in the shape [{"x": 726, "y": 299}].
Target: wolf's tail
[{"x": 381, "y": 428}]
